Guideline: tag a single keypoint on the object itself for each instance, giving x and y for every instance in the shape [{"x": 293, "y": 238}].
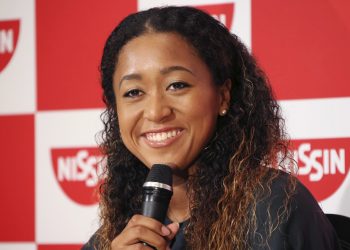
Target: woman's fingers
[
  {"x": 138, "y": 234},
  {"x": 150, "y": 223},
  {"x": 174, "y": 228},
  {"x": 138, "y": 246},
  {"x": 143, "y": 234},
  {"x": 143, "y": 229}
]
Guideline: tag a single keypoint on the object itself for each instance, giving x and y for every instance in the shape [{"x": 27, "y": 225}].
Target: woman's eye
[
  {"x": 133, "y": 93},
  {"x": 178, "y": 85}
]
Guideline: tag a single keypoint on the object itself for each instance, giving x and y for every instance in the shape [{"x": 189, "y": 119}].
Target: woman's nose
[{"x": 157, "y": 108}]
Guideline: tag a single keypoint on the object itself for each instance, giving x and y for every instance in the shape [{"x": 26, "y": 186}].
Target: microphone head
[{"x": 160, "y": 173}]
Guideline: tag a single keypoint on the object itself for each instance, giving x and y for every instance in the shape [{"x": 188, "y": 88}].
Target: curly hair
[{"x": 234, "y": 167}]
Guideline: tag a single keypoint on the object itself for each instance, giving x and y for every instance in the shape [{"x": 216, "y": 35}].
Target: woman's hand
[{"x": 144, "y": 229}]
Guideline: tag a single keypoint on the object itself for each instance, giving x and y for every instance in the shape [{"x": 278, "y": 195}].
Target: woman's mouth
[{"x": 161, "y": 139}]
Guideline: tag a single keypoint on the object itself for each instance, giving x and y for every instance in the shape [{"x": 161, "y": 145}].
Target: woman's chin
[{"x": 175, "y": 165}]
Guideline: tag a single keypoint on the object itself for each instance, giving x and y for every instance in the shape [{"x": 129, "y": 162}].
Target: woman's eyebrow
[
  {"x": 167, "y": 70},
  {"x": 132, "y": 76},
  {"x": 164, "y": 71}
]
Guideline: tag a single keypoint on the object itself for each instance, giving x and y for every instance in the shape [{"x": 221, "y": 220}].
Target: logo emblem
[
  {"x": 9, "y": 31},
  {"x": 77, "y": 171},
  {"x": 323, "y": 164},
  {"x": 222, "y": 12}
]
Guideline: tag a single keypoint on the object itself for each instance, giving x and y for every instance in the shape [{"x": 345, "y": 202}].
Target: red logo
[
  {"x": 9, "y": 31},
  {"x": 323, "y": 164},
  {"x": 77, "y": 171},
  {"x": 222, "y": 12}
]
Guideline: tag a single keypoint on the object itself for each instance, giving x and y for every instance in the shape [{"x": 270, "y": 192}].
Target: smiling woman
[
  {"x": 157, "y": 84},
  {"x": 181, "y": 90}
]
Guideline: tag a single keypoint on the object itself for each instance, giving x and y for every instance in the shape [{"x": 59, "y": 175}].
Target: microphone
[{"x": 157, "y": 192}]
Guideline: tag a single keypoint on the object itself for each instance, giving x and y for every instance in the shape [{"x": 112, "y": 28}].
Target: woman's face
[{"x": 167, "y": 102}]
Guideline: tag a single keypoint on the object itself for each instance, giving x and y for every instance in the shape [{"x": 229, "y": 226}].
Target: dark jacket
[{"x": 307, "y": 227}]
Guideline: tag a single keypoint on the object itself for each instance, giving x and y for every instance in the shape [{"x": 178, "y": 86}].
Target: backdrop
[{"x": 50, "y": 103}]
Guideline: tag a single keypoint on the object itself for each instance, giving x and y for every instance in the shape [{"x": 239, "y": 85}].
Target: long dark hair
[{"x": 233, "y": 170}]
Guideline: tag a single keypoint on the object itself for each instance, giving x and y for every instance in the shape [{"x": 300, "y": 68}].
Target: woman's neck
[{"x": 179, "y": 204}]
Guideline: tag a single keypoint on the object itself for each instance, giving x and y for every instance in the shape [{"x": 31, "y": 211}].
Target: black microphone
[{"x": 157, "y": 192}]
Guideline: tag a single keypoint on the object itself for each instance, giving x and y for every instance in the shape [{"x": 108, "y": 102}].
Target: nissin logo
[
  {"x": 222, "y": 12},
  {"x": 323, "y": 164},
  {"x": 9, "y": 31},
  {"x": 77, "y": 171}
]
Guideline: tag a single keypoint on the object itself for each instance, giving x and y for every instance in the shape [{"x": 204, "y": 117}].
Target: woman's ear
[{"x": 225, "y": 96}]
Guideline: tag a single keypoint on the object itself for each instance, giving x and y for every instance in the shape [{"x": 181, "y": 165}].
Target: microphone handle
[{"x": 155, "y": 203}]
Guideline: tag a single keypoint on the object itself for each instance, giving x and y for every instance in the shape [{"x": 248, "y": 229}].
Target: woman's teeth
[{"x": 158, "y": 137}]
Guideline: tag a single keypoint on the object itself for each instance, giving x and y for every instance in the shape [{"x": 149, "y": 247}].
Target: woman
[{"x": 181, "y": 90}]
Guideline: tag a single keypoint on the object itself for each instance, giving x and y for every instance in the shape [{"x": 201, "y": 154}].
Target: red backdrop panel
[
  {"x": 303, "y": 46},
  {"x": 17, "y": 178},
  {"x": 59, "y": 247},
  {"x": 70, "y": 39}
]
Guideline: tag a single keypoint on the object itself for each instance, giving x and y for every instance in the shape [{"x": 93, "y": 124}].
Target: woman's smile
[{"x": 163, "y": 137}]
